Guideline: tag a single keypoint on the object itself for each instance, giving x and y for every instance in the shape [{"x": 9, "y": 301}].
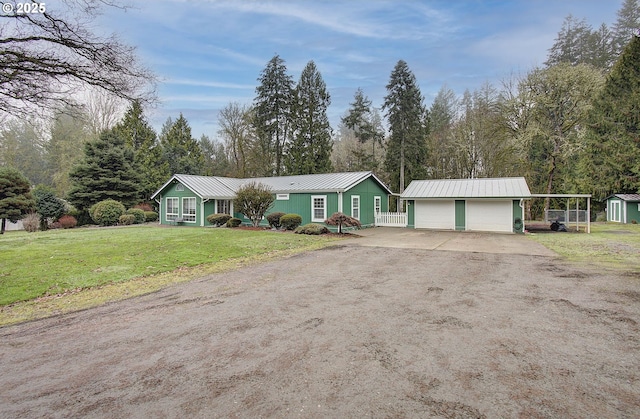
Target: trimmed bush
[
  {"x": 150, "y": 216},
  {"x": 67, "y": 221},
  {"x": 218, "y": 219},
  {"x": 290, "y": 221},
  {"x": 312, "y": 229},
  {"x": 138, "y": 214},
  {"x": 31, "y": 222},
  {"x": 107, "y": 212},
  {"x": 274, "y": 219},
  {"x": 234, "y": 222},
  {"x": 126, "y": 219}
]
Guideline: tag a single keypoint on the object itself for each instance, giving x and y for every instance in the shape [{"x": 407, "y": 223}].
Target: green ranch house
[{"x": 188, "y": 199}]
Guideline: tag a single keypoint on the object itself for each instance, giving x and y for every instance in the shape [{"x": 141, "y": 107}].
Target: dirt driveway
[{"x": 348, "y": 331}]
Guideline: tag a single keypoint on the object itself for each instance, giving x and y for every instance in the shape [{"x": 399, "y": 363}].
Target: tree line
[{"x": 568, "y": 126}]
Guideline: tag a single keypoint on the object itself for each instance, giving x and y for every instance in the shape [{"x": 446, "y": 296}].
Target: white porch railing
[{"x": 391, "y": 219}]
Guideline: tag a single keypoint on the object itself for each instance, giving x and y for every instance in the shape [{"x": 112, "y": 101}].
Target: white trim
[
  {"x": 174, "y": 215},
  {"x": 355, "y": 209},
  {"x": 313, "y": 208},
  {"x": 615, "y": 212},
  {"x": 282, "y": 197},
  {"x": 186, "y": 217},
  {"x": 340, "y": 203}
]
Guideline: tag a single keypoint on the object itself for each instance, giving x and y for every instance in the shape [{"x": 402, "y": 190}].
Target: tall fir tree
[
  {"x": 627, "y": 24},
  {"x": 273, "y": 115},
  {"x": 108, "y": 171},
  {"x": 142, "y": 139},
  {"x": 364, "y": 123},
  {"x": 610, "y": 163},
  {"x": 180, "y": 149},
  {"x": 407, "y": 153},
  {"x": 310, "y": 150}
]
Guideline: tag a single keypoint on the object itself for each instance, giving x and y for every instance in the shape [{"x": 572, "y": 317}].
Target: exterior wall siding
[
  {"x": 517, "y": 214},
  {"x": 411, "y": 214},
  {"x": 366, "y": 190},
  {"x": 633, "y": 212},
  {"x": 461, "y": 210}
]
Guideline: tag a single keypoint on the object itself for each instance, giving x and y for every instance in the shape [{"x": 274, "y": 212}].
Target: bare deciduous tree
[{"x": 47, "y": 57}]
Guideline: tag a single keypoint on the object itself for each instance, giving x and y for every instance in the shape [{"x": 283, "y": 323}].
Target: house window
[
  {"x": 224, "y": 206},
  {"x": 355, "y": 206},
  {"x": 179, "y": 187},
  {"x": 282, "y": 197},
  {"x": 172, "y": 209},
  {"x": 189, "y": 210},
  {"x": 318, "y": 208},
  {"x": 377, "y": 204}
]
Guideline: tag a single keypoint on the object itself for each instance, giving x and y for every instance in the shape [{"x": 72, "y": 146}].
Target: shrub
[
  {"x": 311, "y": 228},
  {"x": 274, "y": 219},
  {"x": 67, "y": 221},
  {"x": 31, "y": 222},
  {"x": 150, "y": 216},
  {"x": 339, "y": 219},
  {"x": 290, "y": 221},
  {"x": 107, "y": 212},
  {"x": 218, "y": 219},
  {"x": 126, "y": 219},
  {"x": 138, "y": 214},
  {"x": 234, "y": 222},
  {"x": 253, "y": 200}
]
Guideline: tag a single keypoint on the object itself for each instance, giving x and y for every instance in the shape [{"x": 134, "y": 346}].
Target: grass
[
  {"x": 610, "y": 245},
  {"x": 93, "y": 265}
]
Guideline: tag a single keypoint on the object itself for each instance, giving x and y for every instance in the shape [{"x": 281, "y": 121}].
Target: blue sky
[{"x": 208, "y": 54}]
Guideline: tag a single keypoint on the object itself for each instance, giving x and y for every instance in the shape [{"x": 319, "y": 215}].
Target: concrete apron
[{"x": 456, "y": 241}]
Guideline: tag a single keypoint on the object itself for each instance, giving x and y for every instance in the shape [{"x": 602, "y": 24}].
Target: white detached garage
[{"x": 467, "y": 204}]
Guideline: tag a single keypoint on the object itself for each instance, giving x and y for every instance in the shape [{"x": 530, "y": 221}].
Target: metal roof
[
  {"x": 627, "y": 196},
  {"x": 513, "y": 187},
  {"x": 225, "y": 188}
]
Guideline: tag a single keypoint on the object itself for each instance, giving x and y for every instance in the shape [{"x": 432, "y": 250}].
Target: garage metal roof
[
  {"x": 511, "y": 187},
  {"x": 225, "y": 188}
]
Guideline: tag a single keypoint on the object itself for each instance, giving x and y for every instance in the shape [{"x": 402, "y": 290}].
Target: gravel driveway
[{"x": 348, "y": 331}]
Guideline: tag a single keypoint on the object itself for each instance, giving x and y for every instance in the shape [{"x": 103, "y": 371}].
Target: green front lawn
[
  {"x": 609, "y": 245},
  {"x": 57, "y": 261}
]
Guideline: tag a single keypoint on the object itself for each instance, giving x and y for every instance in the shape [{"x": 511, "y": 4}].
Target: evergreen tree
[
  {"x": 367, "y": 127},
  {"x": 406, "y": 157},
  {"x": 15, "y": 196},
  {"x": 141, "y": 138},
  {"x": 48, "y": 206},
  {"x": 310, "y": 150},
  {"x": 610, "y": 162},
  {"x": 216, "y": 162},
  {"x": 23, "y": 148},
  {"x": 180, "y": 150},
  {"x": 627, "y": 24},
  {"x": 273, "y": 115},
  {"x": 442, "y": 117},
  {"x": 107, "y": 171}
]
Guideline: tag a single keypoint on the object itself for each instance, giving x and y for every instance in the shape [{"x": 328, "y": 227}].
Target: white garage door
[
  {"x": 490, "y": 216},
  {"x": 435, "y": 214}
]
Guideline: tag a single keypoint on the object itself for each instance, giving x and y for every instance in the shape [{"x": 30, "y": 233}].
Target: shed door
[
  {"x": 488, "y": 215},
  {"x": 439, "y": 215}
]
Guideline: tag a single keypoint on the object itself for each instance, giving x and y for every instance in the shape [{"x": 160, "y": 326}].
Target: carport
[{"x": 492, "y": 204}]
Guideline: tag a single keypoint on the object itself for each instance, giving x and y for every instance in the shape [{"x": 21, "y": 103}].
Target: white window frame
[
  {"x": 179, "y": 187},
  {"x": 377, "y": 205},
  {"x": 282, "y": 197},
  {"x": 170, "y": 216},
  {"x": 313, "y": 208},
  {"x": 355, "y": 206},
  {"x": 189, "y": 217}
]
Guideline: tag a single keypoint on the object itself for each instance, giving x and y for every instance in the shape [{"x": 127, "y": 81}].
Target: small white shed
[{"x": 494, "y": 204}]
